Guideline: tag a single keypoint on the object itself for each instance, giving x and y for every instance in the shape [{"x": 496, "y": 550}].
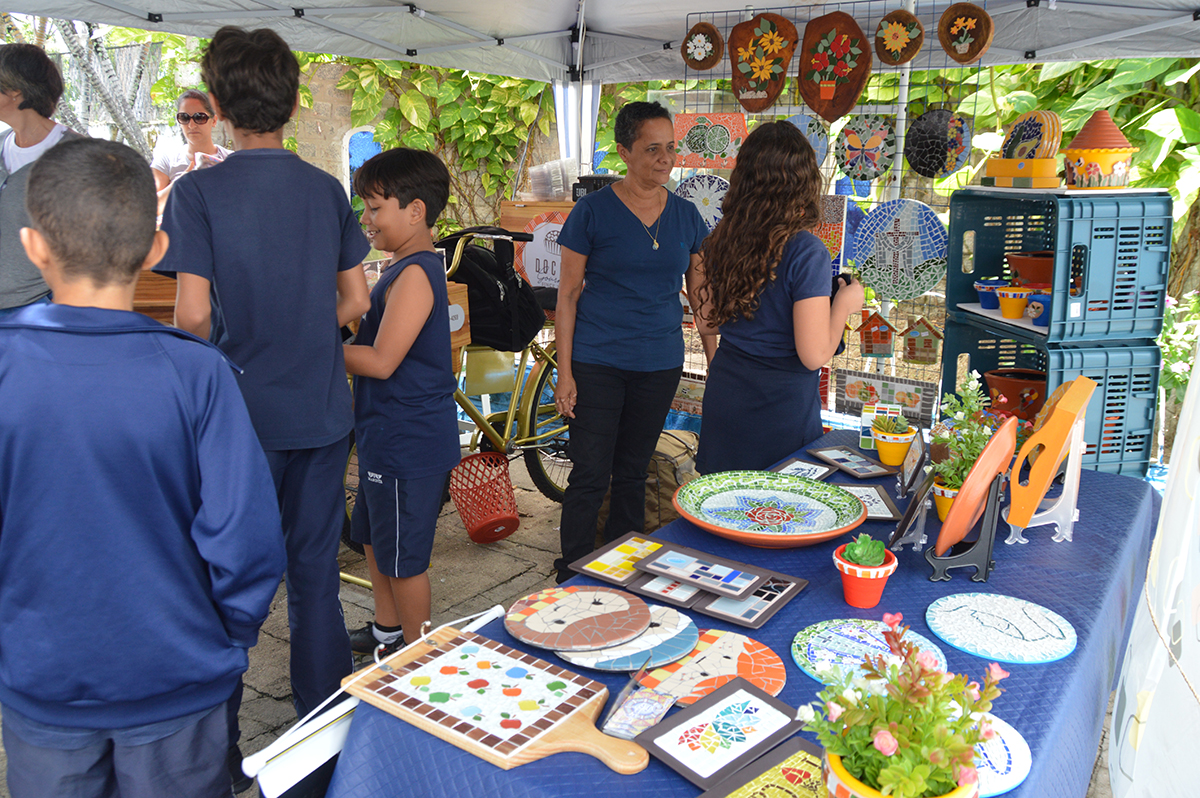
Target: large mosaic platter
[
  {"x": 671, "y": 636},
  {"x": 775, "y": 511},
  {"x": 577, "y": 618},
  {"x": 843, "y": 642},
  {"x": 1004, "y": 761},
  {"x": 901, "y": 249},
  {"x": 1001, "y": 628},
  {"x": 706, "y": 193}
]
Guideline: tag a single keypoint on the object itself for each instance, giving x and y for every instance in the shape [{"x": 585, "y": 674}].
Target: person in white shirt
[
  {"x": 196, "y": 122},
  {"x": 30, "y": 88}
]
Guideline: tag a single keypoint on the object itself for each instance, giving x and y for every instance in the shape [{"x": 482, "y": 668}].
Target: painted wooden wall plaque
[
  {"x": 703, "y": 47},
  {"x": 835, "y": 64},
  {"x": 965, "y": 31},
  {"x": 759, "y": 52},
  {"x": 898, "y": 38}
]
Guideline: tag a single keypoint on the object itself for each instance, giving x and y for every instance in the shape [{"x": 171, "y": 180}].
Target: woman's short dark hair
[
  {"x": 407, "y": 175},
  {"x": 631, "y": 117},
  {"x": 26, "y": 68},
  {"x": 253, "y": 76},
  {"x": 194, "y": 94}
]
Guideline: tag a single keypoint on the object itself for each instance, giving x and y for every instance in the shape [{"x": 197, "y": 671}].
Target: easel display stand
[
  {"x": 916, "y": 530},
  {"x": 977, "y": 552},
  {"x": 1063, "y": 511}
]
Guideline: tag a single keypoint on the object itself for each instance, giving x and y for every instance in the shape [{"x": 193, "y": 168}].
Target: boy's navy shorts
[{"x": 397, "y": 517}]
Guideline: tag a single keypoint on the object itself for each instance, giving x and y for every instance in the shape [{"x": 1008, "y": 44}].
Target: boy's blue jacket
[{"x": 140, "y": 542}]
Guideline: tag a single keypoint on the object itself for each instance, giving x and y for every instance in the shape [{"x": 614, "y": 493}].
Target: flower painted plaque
[
  {"x": 703, "y": 47},
  {"x": 898, "y": 38},
  {"x": 835, "y": 64},
  {"x": 965, "y": 31},
  {"x": 760, "y": 51}
]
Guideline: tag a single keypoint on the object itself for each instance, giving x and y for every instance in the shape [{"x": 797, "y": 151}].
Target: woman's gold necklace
[{"x": 654, "y": 235}]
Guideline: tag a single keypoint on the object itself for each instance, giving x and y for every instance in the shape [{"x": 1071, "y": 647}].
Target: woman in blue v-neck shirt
[{"x": 618, "y": 331}]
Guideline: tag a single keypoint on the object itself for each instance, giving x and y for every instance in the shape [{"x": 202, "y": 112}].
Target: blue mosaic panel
[
  {"x": 814, "y": 131},
  {"x": 900, "y": 249}
]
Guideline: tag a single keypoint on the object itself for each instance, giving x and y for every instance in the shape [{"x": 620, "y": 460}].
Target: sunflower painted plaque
[
  {"x": 900, "y": 249},
  {"x": 708, "y": 141},
  {"x": 814, "y": 131},
  {"x": 759, "y": 53},
  {"x": 898, "y": 38},
  {"x": 965, "y": 31},
  {"x": 835, "y": 63},
  {"x": 938, "y": 143},
  {"x": 866, "y": 147}
]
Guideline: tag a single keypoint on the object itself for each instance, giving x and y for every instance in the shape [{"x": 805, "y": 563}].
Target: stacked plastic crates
[{"x": 1111, "y": 256}]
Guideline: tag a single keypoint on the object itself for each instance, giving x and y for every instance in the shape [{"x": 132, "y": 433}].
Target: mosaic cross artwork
[
  {"x": 671, "y": 636},
  {"x": 901, "y": 249},
  {"x": 938, "y": 143},
  {"x": 842, "y": 643},
  {"x": 1002, "y": 628},
  {"x": 577, "y": 618},
  {"x": 814, "y": 131},
  {"x": 866, "y": 147},
  {"x": 614, "y": 563},
  {"x": 719, "y": 657},
  {"x": 706, "y": 193}
]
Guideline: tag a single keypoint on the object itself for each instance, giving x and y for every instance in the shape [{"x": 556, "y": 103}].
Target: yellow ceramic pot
[
  {"x": 892, "y": 447},
  {"x": 1107, "y": 168},
  {"x": 943, "y": 497},
  {"x": 1013, "y": 301},
  {"x": 841, "y": 784}
]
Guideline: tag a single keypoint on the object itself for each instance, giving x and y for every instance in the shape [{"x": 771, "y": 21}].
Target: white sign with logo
[{"x": 543, "y": 255}]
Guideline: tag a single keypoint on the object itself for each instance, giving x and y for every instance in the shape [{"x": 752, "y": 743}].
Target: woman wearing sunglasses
[{"x": 196, "y": 122}]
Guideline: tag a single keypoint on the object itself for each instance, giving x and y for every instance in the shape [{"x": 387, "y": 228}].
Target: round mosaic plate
[
  {"x": 706, "y": 193},
  {"x": 1001, "y": 628},
  {"x": 814, "y": 131},
  {"x": 866, "y": 147},
  {"x": 938, "y": 143},
  {"x": 719, "y": 658},
  {"x": 900, "y": 249},
  {"x": 577, "y": 618},
  {"x": 774, "y": 511},
  {"x": 843, "y": 642},
  {"x": 1004, "y": 761},
  {"x": 671, "y": 636}
]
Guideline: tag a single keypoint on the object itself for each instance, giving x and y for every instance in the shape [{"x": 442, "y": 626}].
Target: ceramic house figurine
[
  {"x": 875, "y": 337},
  {"x": 1099, "y": 156},
  {"x": 921, "y": 342}
]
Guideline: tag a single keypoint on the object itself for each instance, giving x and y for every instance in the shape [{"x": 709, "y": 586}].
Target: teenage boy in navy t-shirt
[
  {"x": 141, "y": 543},
  {"x": 268, "y": 256},
  {"x": 406, "y": 424}
]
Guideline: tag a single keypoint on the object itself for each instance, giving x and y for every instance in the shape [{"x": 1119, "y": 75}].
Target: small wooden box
[
  {"x": 460, "y": 322},
  {"x": 155, "y": 297}
]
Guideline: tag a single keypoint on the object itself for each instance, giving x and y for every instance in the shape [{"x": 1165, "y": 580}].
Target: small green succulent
[
  {"x": 865, "y": 550},
  {"x": 894, "y": 425}
]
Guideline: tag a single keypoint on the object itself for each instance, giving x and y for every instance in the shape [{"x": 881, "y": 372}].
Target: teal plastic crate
[
  {"x": 1119, "y": 427},
  {"x": 1111, "y": 251}
]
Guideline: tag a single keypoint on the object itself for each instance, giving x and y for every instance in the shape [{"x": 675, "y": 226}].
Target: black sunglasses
[{"x": 199, "y": 118}]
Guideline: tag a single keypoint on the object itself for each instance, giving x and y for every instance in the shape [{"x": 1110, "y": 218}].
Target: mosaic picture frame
[
  {"x": 914, "y": 463},
  {"x": 734, "y": 725},
  {"x": 795, "y": 762},
  {"x": 913, "y": 511},
  {"x": 880, "y": 506},
  {"x": 705, "y": 571},
  {"x": 802, "y": 468},
  {"x": 614, "y": 562},
  {"x": 754, "y": 610},
  {"x": 665, "y": 589},
  {"x": 853, "y": 462}
]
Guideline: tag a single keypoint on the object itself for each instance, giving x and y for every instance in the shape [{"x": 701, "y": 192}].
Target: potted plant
[
  {"x": 832, "y": 61},
  {"x": 900, "y": 727},
  {"x": 958, "y": 443},
  {"x": 865, "y": 565},
  {"x": 893, "y": 435}
]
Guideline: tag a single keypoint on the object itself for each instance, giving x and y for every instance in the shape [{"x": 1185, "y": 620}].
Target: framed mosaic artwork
[
  {"x": 577, "y": 618},
  {"x": 757, "y": 608},
  {"x": 856, "y": 389},
  {"x": 709, "y": 141},
  {"x": 791, "y": 770},
  {"x": 704, "y": 571},
  {"x": 901, "y": 249},
  {"x": 802, "y": 468},
  {"x": 721, "y": 734},
  {"x": 666, "y": 589},
  {"x": 719, "y": 658},
  {"x": 914, "y": 463},
  {"x": 614, "y": 562},
  {"x": 866, "y": 147},
  {"x": 637, "y": 713},
  {"x": 879, "y": 504},
  {"x": 853, "y": 462},
  {"x": 917, "y": 500}
]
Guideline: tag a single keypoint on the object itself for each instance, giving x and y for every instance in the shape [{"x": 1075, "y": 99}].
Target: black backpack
[{"x": 503, "y": 310}]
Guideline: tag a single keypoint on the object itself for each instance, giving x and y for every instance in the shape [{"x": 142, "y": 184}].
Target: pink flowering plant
[{"x": 900, "y": 725}]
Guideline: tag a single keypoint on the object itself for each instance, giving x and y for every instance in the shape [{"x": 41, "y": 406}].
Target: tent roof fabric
[{"x": 623, "y": 40}]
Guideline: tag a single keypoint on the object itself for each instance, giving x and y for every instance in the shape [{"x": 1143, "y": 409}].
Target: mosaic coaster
[
  {"x": 671, "y": 636},
  {"x": 900, "y": 249},
  {"x": 768, "y": 509},
  {"x": 842, "y": 643},
  {"x": 1004, "y": 761},
  {"x": 719, "y": 657},
  {"x": 1001, "y": 628},
  {"x": 814, "y": 131},
  {"x": 706, "y": 193},
  {"x": 577, "y": 618},
  {"x": 866, "y": 147},
  {"x": 615, "y": 562}
]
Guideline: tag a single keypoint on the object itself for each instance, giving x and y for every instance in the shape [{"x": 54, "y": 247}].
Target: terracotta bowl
[{"x": 1033, "y": 267}]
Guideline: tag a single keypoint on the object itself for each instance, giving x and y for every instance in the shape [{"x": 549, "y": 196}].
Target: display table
[{"x": 1093, "y": 582}]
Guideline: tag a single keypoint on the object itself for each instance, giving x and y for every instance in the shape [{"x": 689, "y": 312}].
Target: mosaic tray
[
  {"x": 901, "y": 249},
  {"x": 667, "y": 589},
  {"x": 671, "y": 636},
  {"x": 500, "y": 704},
  {"x": 577, "y": 618},
  {"x": 614, "y": 562},
  {"x": 719, "y": 658},
  {"x": 814, "y": 131},
  {"x": 843, "y": 642},
  {"x": 1001, "y": 628},
  {"x": 706, "y": 193},
  {"x": 762, "y": 508},
  {"x": 1004, "y": 761},
  {"x": 866, "y": 147}
]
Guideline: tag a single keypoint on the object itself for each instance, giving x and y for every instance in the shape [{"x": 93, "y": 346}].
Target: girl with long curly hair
[{"x": 766, "y": 290}]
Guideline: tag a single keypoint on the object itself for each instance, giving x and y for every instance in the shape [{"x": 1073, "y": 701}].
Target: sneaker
[
  {"x": 233, "y": 763},
  {"x": 363, "y": 642}
]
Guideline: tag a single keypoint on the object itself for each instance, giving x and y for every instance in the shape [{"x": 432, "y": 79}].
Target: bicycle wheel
[{"x": 548, "y": 463}]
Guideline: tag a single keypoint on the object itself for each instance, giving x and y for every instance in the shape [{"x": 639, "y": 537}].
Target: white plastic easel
[{"x": 1063, "y": 511}]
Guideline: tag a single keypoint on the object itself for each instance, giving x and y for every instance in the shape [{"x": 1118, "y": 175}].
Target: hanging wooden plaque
[
  {"x": 898, "y": 38},
  {"x": 703, "y": 47},
  {"x": 965, "y": 31},
  {"x": 835, "y": 64},
  {"x": 759, "y": 52}
]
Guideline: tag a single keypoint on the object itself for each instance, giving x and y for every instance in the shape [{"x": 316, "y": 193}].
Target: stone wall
[{"x": 320, "y": 131}]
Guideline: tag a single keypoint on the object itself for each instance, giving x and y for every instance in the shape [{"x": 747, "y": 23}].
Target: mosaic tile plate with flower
[
  {"x": 769, "y": 509},
  {"x": 706, "y": 193}
]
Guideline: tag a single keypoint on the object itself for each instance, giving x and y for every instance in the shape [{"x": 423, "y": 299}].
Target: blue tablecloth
[{"x": 1094, "y": 582}]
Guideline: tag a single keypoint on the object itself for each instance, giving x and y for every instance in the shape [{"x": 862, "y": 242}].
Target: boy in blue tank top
[{"x": 405, "y": 422}]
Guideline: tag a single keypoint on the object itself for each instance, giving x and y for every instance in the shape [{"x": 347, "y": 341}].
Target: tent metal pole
[{"x": 1121, "y": 34}]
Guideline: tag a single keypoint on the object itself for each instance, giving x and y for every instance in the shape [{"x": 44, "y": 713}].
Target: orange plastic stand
[{"x": 1061, "y": 436}]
